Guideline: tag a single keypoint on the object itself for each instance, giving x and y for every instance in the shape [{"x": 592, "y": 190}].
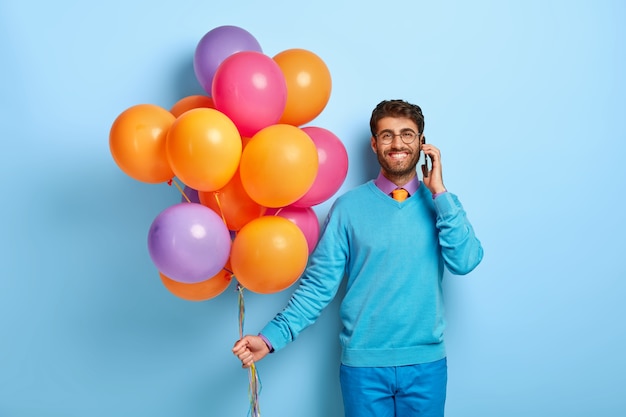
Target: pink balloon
[
  {"x": 303, "y": 217},
  {"x": 217, "y": 45},
  {"x": 250, "y": 88},
  {"x": 332, "y": 170}
]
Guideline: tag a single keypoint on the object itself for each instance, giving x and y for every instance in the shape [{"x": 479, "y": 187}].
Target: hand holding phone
[{"x": 425, "y": 168}]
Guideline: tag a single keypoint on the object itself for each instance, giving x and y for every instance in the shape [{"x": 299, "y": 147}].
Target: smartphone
[{"x": 425, "y": 168}]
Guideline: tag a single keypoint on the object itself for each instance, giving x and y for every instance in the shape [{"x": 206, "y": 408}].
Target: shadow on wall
[
  {"x": 184, "y": 80},
  {"x": 370, "y": 166}
]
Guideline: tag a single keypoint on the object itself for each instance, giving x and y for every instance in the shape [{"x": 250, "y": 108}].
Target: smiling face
[{"x": 397, "y": 159}]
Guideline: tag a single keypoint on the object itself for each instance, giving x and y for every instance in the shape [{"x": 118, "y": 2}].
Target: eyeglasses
[{"x": 387, "y": 136}]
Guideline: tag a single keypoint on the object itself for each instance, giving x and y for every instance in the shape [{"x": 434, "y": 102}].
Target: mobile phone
[{"x": 425, "y": 168}]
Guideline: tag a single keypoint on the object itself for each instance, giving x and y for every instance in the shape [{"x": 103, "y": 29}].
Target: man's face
[{"x": 397, "y": 159}]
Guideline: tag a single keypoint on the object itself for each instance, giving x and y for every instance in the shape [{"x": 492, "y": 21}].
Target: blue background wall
[{"x": 524, "y": 99}]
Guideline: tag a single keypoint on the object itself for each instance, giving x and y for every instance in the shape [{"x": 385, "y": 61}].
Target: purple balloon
[
  {"x": 192, "y": 195},
  {"x": 189, "y": 242},
  {"x": 217, "y": 45}
]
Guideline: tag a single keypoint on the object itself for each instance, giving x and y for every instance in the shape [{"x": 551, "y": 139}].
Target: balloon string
[
  {"x": 254, "y": 389},
  {"x": 219, "y": 205},
  {"x": 242, "y": 309},
  {"x": 179, "y": 189}
]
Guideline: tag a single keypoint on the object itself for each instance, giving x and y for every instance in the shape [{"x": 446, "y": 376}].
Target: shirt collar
[{"x": 387, "y": 186}]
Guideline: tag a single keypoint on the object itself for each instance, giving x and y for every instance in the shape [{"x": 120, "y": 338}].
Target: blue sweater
[{"x": 393, "y": 256}]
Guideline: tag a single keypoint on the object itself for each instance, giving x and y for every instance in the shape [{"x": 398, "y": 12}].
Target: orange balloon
[
  {"x": 191, "y": 102},
  {"x": 204, "y": 149},
  {"x": 137, "y": 142},
  {"x": 232, "y": 203},
  {"x": 199, "y": 291},
  {"x": 269, "y": 254},
  {"x": 278, "y": 165},
  {"x": 308, "y": 85}
]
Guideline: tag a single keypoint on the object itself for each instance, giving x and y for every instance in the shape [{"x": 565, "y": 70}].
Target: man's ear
[{"x": 373, "y": 144}]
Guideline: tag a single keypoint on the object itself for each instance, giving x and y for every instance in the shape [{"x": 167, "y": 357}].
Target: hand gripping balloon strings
[
  {"x": 169, "y": 182},
  {"x": 254, "y": 389}
]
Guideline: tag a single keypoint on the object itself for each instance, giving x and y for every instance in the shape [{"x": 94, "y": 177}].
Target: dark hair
[{"x": 397, "y": 108}]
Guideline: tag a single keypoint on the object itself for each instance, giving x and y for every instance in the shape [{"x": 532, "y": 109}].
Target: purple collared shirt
[{"x": 387, "y": 186}]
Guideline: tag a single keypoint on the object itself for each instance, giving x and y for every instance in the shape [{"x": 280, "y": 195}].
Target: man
[{"x": 392, "y": 251}]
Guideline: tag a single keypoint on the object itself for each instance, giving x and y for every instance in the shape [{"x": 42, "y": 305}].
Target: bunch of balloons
[{"x": 252, "y": 168}]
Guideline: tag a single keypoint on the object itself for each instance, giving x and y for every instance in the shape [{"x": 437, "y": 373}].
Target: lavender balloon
[
  {"x": 217, "y": 45},
  {"x": 189, "y": 242},
  {"x": 192, "y": 195}
]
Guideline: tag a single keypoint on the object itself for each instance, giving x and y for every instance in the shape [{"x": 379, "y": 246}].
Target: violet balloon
[
  {"x": 189, "y": 242},
  {"x": 217, "y": 45},
  {"x": 192, "y": 195},
  {"x": 332, "y": 168}
]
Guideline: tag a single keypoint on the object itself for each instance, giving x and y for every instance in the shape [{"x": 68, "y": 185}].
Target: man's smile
[{"x": 398, "y": 155}]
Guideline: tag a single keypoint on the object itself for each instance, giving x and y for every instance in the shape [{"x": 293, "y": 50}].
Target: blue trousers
[{"x": 402, "y": 391}]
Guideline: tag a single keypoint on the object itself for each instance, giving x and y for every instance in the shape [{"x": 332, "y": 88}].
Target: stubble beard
[{"x": 398, "y": 170}]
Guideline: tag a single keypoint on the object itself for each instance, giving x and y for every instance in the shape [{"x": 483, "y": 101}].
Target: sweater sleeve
[
  {"x": 461, "y": 250},
  {"x": 318, "y": 287}
]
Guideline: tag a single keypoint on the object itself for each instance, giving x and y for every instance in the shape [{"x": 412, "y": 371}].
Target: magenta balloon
[
  {"x": 217, "y": 45},
  {"x": 250, "y": 88},
  {"x": 332, "y": 169},
  {"x": 303, "y": 217},
  {"x": 189, "y": 242}
]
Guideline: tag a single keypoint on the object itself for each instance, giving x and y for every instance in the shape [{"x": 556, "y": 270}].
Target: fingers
[
  {"x": 246, "y": 357},
  {"x": 432, "y": 151},
  {"x": 241, "y": 349},
  {"x": 434, "y": 179},
  {"x": 243, "y": 352},
  {"x": 240, "y": 346}
]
